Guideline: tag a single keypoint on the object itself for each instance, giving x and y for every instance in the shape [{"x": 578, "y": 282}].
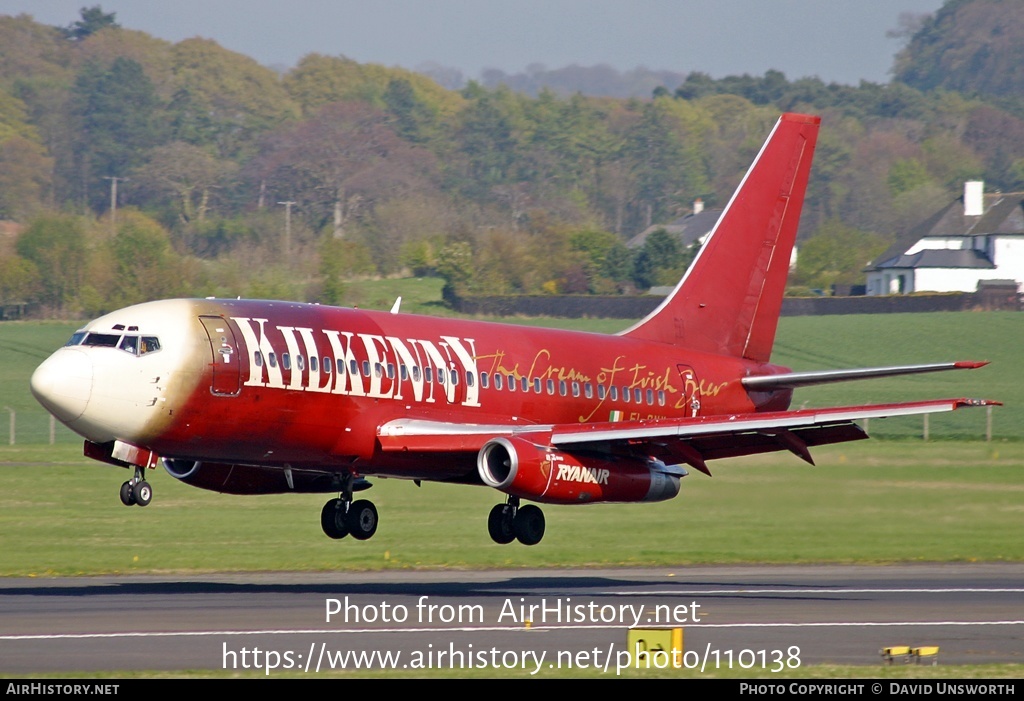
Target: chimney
[
  {"x": 698, "y": 206},
  {"x": 974, "y": 198}
]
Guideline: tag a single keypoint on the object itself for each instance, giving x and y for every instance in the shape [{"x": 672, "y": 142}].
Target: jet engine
[
  {"x": 248, "y": 479},
  {"x": 545, "y": 474}
]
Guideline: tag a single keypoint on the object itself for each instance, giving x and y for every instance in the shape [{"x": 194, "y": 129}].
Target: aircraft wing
[{"x": 684, "y": 440}]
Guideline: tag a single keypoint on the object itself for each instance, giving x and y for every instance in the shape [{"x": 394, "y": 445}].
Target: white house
[{"x": 977, "y": 237}]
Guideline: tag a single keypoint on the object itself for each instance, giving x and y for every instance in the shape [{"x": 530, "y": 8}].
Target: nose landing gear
[{"x": 136, "y": 491}]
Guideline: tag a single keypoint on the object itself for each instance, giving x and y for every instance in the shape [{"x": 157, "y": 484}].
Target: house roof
[
  {"x": 1003, "y": 214},
  {"x": 940, "y": 258},
  {"x": 686, "y": 229}
]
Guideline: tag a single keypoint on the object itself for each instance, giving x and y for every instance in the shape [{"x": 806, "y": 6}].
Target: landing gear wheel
[
  {"x": 127, "y": 494},
  {"x": 362, "y": 519},
  {"x": 333, "y": 519},
  {"x": 143, "y": 493},
  {"x": 529, "y": 525},
  {"x": 500, "y": 524}
]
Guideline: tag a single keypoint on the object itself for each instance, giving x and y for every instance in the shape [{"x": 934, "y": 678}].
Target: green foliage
[
  {"x": 971, "y": 46},
  {"x": 19, "y": 280},
  {"x": 116, "y": 111},
  {"x": 906, "y": 175},
  {"x": 93, "y": 20},
  {"x": 144, "y": 267},
  {"x": 836, "y": 255},
  {"x": 56, "y": 245}
]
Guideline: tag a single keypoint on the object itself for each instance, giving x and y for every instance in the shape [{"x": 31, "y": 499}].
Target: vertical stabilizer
[{"x": 728, "y": 301}]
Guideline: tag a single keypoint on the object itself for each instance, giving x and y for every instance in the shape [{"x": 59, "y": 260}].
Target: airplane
[{"x": 257, "y": 397}]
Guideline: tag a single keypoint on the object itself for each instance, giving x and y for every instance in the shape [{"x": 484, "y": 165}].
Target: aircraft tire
[
  {"x": 333, "y": 519},
  {"x": 362, "y": 519},
  {"x": 127, "y": 494},
  {"x": 500, "y": 524},
  {"x": 142, "y": 493},
  {"x": 529, "y": 525}
]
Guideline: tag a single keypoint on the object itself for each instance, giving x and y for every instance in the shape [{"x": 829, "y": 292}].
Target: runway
[{"x": 732, "y": 617}]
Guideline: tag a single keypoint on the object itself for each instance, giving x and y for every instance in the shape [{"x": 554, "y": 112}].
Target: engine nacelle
[
  {"x": 248, "y": 479},
  {"x": 545, "y": 474}
]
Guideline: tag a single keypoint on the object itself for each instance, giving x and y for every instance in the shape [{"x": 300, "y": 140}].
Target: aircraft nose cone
[{"x": 63, "y": 384}]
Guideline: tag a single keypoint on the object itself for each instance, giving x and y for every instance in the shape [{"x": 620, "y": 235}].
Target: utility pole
[
  {"x": 287, "y": 229},
  {"x": 113, "y": 201}
]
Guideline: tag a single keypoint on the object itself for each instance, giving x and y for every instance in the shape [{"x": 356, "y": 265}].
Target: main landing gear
[
  {"x": 136, "y": 491},
  {"x": 342, "y": 516},
  {"x": 509, "y": 521}
]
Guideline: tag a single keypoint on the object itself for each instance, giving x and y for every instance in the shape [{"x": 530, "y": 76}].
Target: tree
[
  {"x": 186, "y": 172},
  {"x": 56, "y": 244},
  {"x": 25, "y": 178},
  {"x": 116, "y": 112},
  {"x": 93, "y": 19},
  {"x": 836, "y": 255}
]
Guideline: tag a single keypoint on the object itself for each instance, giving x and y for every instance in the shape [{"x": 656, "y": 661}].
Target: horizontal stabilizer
[{"x": 791, "y": 380}]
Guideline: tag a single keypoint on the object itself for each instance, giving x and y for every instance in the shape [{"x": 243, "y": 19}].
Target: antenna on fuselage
[{"x": 396, "y": 305}]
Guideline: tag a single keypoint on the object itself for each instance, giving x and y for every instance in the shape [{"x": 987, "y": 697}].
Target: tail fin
[{"x": 728, "y": 301}]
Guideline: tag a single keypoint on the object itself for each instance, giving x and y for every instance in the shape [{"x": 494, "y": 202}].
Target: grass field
[{"x": 865, "y": 503}]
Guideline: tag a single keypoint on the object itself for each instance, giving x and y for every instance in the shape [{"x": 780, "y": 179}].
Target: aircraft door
[
  {"x": 691, "y": 397},
  {"x": 227, "y": 379}
]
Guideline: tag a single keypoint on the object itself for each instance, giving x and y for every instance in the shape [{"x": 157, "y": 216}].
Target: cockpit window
[
  {"x": 129, "y": 343},
  {"x": 102, "y": 340}
]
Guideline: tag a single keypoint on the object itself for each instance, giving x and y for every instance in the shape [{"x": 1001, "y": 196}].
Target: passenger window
[
  {"x": 441, "y": 375},
  {"x": 415, "y": 373},
  {"x": 428, "y": 374},
  {"x": 613, "y": 394},
  {"x": 378, "y": 369},
  {"x": 638, "y": 395},
  {"x": 327, "y": 365},
  {"x": 484, "y": 380},
  {"x": 313, "y": 363},
  {"x": 575, "y": 389},
  {"x": 498, "y": 381},
  {"x": 403, "y": 372},
  {"x": 524, "y": 384},
  {"x": 551, "y": 386},
  {"x": 650, "y": 396},
  {"x": 562, "y": 389},
  {"x": 469, "y": 379},
  {"x": 511, "y": 383},
  {"x": 257, "y": 358},
  {"x": 300, "y": 362},
  {"x": 661, "y": 397},
  {"x": 272, "y": 359},
  {"x": 588, "y": 391},
  {"x": 366, "y": 368},
  {"x": 286, "y": 361},
  {"x": 353, "y": 367},
  {"x": 601, "y": 392},
  {"x": 454, "y": 374},
  {"x": 536, "y": 385},
  {"x": 625, "y": 393},
  {"x": 391, "y": 371}
]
